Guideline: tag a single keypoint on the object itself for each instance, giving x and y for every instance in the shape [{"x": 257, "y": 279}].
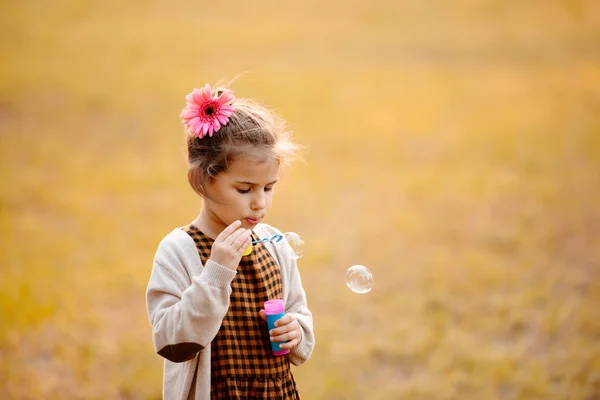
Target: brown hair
[{"x": 251, "y": 128}]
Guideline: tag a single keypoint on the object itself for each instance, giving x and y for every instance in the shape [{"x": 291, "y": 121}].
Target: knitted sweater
[{"x": 187, "y": 301}]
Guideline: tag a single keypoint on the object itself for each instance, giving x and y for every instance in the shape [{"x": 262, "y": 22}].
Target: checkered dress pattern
[{"x": 242, "y": 365}]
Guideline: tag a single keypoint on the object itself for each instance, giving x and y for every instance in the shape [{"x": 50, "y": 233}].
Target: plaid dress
[{"x": 242, "y": 365}]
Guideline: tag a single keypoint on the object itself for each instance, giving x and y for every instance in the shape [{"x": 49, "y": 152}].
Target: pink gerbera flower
[{"x": 205, "y": 113}]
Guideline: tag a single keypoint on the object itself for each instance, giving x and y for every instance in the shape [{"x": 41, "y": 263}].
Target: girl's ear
[{"x": 196, "y": 180}]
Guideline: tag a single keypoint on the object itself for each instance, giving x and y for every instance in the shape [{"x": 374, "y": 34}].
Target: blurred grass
[{"x": 452, "y": 147}]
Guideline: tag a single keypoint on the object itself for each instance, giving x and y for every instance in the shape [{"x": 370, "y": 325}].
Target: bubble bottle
[{"x": 275, "y": 310}]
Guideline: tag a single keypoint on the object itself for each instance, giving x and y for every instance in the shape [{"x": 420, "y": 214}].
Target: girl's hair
[{"x": 251, "y": 129}]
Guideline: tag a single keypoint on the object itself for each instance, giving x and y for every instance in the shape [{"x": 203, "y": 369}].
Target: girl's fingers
[
  {"x": 285, "y": 324},
  {"x": 229, "y": 245},
  {"x": 237, "y": 239},
  {"x": 288, "y": 330},
  {"x": 286, "y": 319},
  {"x": 242, "y": 240},
  {"x": 228, "y": 231},
  {"x": 263, "y": 315},
  {"x": 289, "y": 345},
  {"x": 291, "y": 335},
  {"x": 228, "y": 241}
]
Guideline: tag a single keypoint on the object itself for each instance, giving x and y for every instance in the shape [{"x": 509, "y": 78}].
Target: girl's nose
[{"x": 258, "y": 201}]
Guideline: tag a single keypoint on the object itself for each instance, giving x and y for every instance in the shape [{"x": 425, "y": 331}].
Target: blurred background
[{"x": 451, "y": 147}]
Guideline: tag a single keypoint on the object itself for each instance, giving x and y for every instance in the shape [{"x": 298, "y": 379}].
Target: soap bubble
[
  {"x": 295, "y": 242},
  {"x": 359, "y": 279}
]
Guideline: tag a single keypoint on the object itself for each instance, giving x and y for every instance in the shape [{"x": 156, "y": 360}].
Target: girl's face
[{"x": 244, "y": 192}]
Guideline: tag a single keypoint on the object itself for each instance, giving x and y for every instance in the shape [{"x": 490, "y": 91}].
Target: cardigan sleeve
[
  {"x": 185, "y": 311},
  {"x": 296, "y": 304}
]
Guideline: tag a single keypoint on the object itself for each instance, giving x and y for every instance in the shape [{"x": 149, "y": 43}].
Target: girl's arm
[
  {"x": 296, "y": 304},
  {"x": 185, "y": 312}
]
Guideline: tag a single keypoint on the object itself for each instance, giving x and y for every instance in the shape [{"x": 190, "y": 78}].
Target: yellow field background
[{"x": 453, "y": 147}]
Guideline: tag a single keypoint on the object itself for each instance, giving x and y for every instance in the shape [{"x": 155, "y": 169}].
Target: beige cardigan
[{"x": 187, "y": 301}]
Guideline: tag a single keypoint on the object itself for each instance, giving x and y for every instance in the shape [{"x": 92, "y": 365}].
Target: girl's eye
[
  {"x": 268, "y": 189},
  {"x": 243, "y": 191}
]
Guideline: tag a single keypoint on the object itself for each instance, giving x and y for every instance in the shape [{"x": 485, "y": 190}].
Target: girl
[{"x": 205, "y": 295}]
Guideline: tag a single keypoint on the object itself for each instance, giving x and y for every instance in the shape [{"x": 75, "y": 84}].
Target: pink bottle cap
[{"x": 274, "y": 307}]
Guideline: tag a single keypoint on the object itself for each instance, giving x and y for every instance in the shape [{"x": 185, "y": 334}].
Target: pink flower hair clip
[{"x": 206, "y": 112}]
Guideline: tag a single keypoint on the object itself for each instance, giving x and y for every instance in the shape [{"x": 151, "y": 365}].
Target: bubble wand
[{"x": 293, "y": 239}]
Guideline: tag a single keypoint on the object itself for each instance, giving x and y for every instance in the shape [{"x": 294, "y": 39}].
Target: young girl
[{"x": 205, "y": 295}]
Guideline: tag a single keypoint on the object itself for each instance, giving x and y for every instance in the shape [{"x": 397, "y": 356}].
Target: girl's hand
[
  {"x": 287, "y": 329},
  {"x": 229, "y": 245}
]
